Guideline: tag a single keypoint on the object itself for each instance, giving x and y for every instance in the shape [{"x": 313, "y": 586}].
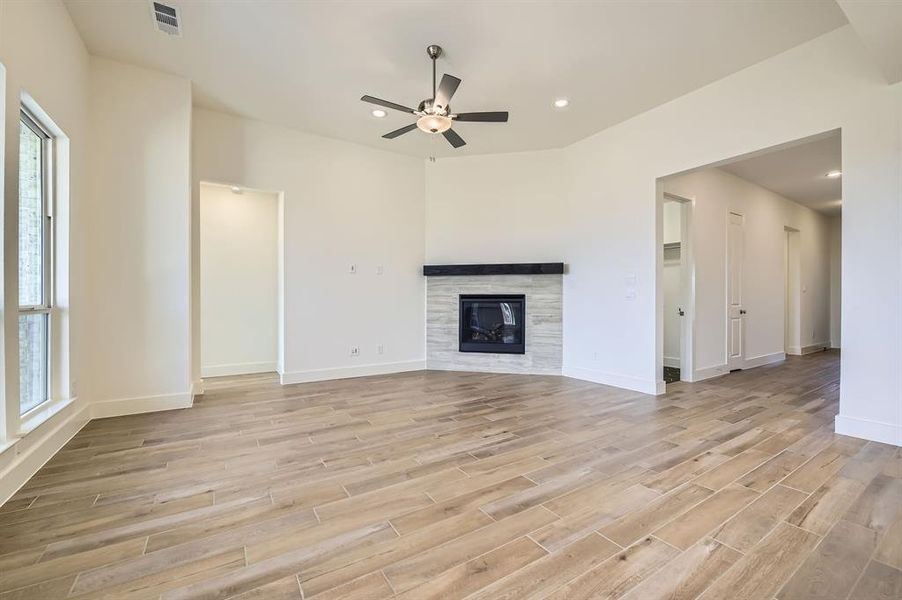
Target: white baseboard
[
  {"x": 750, "y": 363},
  {"x": 672, "y": 361},
  {"x": 628, "y": 382},
  {"x": 23, "y": 458},
  {"x": 819, "y": 347},
  {"x": 709, "y": 372},
  {"x": 349, "y": 372},
  {"x": 875, "y": 431},
  {"x": 811, "y": 349},
  {"x": 764, "y": 359},
  {"x": 237, "y": 369},
  {"x": 134, "y": 406}
]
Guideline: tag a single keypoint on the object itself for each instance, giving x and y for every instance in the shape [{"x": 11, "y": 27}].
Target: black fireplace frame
[{"x": 487, "y": 347}]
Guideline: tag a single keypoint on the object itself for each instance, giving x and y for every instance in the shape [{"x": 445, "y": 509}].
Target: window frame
[{"x": 48, "y": 195}]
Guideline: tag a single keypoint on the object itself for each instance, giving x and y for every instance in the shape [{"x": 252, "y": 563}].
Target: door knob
[
  {"x": 741, "y": 311},
  {"x": 680, "y": 312}
]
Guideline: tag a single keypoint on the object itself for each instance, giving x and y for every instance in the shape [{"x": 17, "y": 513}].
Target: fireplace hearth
[{"x": 493, "y": 323}]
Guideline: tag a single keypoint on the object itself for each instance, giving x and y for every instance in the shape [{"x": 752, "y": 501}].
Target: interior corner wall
[
  {"x": 716, "y": 193},
  {"x": 139, "y": 207},
  {"x": 343, "y": 204},
  {"x": 836, "y": 281}
]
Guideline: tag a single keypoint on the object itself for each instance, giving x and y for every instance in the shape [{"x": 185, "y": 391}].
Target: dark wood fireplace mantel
[{"x": 555, "y": 268}]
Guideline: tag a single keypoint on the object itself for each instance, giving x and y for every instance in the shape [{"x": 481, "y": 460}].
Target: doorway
[
  {"x": 765, "y": 274},
  {"x": 675, "y": 284},
  {"x": 239, "y": 280}
]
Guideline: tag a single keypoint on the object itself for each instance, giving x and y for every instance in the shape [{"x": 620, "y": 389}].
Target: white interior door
[
  {"x": 735, "y": 311},
  {"x": 793, "y": 328}
]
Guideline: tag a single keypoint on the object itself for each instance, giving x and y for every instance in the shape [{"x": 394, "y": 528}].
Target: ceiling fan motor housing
[{"x": 427, "y": 107}]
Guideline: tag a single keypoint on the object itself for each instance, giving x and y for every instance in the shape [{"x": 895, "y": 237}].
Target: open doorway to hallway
[
  {"x": 763, "y": 279},
  {"x": 239, "y": 280}
]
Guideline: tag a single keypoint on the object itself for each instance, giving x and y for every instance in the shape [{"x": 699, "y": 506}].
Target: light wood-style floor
[{"x": 451, "y": 485}]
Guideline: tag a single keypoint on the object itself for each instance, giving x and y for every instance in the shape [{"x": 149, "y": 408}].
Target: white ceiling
[
  {"x": 798, "y": 172},
  {"x": 879, "y": 25},
  {"x": 306, "y": 64}
]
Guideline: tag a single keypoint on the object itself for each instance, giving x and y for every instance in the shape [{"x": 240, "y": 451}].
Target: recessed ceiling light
[
  {"x": 236, "y": 189},
  {"x": 561, "y": 103},
  {"x": 379, "y": 113},
  {"x": 834, "y": 174}
]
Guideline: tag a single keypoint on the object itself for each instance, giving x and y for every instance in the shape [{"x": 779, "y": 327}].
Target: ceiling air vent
[{"x": 166, "y": 18}]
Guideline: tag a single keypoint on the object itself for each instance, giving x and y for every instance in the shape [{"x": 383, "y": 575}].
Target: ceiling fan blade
[
  {"x": 454, "y": 139},
  {"x": 393, "y": 134},
  {"x": 446, "y": 89},
  {"x": 387, "y": 104},
  {"x": 483, "y": 117}
]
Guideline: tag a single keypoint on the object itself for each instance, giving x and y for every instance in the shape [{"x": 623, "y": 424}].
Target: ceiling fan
[{"x": 434, "y": 114}]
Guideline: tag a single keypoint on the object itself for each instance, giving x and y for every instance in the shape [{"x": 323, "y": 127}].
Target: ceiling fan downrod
[{"x": 433, "y": 51}]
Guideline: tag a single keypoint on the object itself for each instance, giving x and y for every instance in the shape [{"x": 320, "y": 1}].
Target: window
[{"x": 35, "y": 262}]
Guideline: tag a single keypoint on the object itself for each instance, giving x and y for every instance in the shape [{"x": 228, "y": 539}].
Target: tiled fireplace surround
[{"x": 542, "y": 284}]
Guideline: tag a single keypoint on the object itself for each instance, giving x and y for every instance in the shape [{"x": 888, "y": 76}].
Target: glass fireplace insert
[{"x": 494, "y": 323}]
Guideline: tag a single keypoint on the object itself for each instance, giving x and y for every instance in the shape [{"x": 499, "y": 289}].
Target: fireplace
[{"x": 493, "y": 323}]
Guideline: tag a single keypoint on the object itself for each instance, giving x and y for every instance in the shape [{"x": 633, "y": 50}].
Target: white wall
[
  {"x": 715, "y": 194},
  {"x": 670, "y": 280},
  {"x": 672, "y": 214},
  {"x": 496, "y": 208},
  {"x": 344, "y": 204},
  {"x": 604, "y": 223},
  {"x": 238, "y": 281},
  {"x": 45, "y": 58},
  {"x": 139, "y": 238},
  {"x": 836, "y": 282}
]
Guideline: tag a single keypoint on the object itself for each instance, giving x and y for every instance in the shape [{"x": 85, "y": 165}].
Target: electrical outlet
[
  {"x": 380, "y": 349},
  {"x": 355, "y": 350}
]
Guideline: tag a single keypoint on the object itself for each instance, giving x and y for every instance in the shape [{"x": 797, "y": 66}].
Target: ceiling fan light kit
[
  {"x": 434, "y": 123},
  {"x": 434, "y": 114}
]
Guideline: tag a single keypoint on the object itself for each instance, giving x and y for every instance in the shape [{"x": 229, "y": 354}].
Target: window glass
[
  {"x": 33, "y": 360},
  {"x": 31, "y": 217},
  {"x": 34, "y": 300}
]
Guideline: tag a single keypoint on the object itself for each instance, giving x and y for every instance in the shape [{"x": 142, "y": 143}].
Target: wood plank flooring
[{"x": 452, "y": 485}]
